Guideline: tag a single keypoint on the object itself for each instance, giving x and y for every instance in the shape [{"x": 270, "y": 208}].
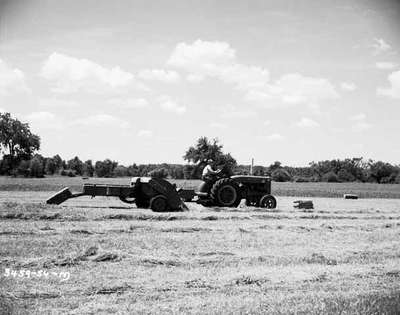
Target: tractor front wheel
[
  {"x": 226, "y": 193},
  {"x": 159, "y": 203},
  {"x": 268, "y": 201}
]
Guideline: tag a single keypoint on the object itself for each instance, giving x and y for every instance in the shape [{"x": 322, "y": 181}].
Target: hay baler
[{"x": 146, "y": 192}]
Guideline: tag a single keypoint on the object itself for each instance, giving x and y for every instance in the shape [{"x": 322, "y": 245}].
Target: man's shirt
[{"x": 208, "y": 170}]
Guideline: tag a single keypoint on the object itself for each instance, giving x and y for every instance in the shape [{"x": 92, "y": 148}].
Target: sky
[{"x": 141, "y": 81}]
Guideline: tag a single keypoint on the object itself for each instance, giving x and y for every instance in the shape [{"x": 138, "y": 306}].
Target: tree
[
  {"x": 24, "y": 168},
  {"x": 189, "y": 172},
  {"x": 276, "y": 165},
  {"x": 133, "y": 170},
  {"x": 330, "y": 177},
  {"x": 281, "y": 175},
  {"x": 17, "y": 142},
  {"x": 209, "y": 149},
  {"x": 76, "y": 165},
  {"x": 161, "y": 172},
  {"x": 382, "y": 172},
  {"x": 345, "y": 176},
  {"x": 36, "y": 166},
  {"x": 59, "y": 162},
  {"x": 120, "y": 171},
  {"x": 87, "y": 168},
  {"x": 50, "y": 166},
  {"x": 105, "y": 168}
]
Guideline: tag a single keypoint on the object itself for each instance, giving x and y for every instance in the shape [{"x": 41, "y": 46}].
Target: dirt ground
[{"x": 100, "y": 256}]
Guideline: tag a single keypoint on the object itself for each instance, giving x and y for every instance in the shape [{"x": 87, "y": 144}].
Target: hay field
[
  {"x": 364, "y": 190},
  {"x": 342, "y": 257}
]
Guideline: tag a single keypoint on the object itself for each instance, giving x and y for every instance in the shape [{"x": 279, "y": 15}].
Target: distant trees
[
  {"x": 347, "y": 170},
  {"x": 281, "y": 175},
  {"x": 75, "y": 165},
  {"x": 105, "y": 168},
  {"x": 161, "y": 172},
  {"x": 120, "y": 171},
  {"x": 88, "y": 168}
]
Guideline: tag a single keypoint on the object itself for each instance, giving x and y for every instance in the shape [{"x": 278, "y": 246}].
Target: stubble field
[{"x": 341, "y": 257}]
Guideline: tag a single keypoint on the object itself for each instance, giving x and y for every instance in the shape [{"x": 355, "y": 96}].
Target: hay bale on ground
[
  {"x": 350, "y": 196},
  {"x": 303, "y": 204}
]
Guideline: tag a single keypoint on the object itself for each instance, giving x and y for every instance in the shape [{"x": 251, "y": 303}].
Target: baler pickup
[{"x": 62, "y": 196}]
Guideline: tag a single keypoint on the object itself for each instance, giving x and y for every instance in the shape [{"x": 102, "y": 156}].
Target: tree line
[{"x": 19, "y": 146}]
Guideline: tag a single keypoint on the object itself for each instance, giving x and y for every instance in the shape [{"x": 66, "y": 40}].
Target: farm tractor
[{"x": 160, "y": 195}]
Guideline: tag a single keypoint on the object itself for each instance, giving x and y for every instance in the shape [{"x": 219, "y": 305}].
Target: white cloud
[
  {"x": 144, "y": 133},
  {"x": 275, "y": 137},
  {"x": 59, "y": 103},
  {"x": 358, "y": 117},
  {"x": 159, "y": 75},
  {"x": 70, "y": 74},
  {"x": 380, "y": 46},
  {"x": 101, "y": 120},
  {"x": 359, "y": 122},
  {"x": 348, "y": 86},
  {"x": 230, "y": 111},
  {"x": 218, "y": 125},
  {"x": 394, "y": 89},
  {"x": 44, "y": 121},
  {"x": 129, "y": 103},
  {"x": 257, "y": 96},
  {"x": 194, "y": 78},
  {"x": 307, "y": 123},
  {"x": 202, "y": 56},
  {"x": 385, "y": 65},
  {"x": 169, "y": 105},
  {"x": 218, "y": 60},
  {"x": 361, "y": 126},
  {"x": 11, "y": 80},
  {"x": 296, "y": 89}
]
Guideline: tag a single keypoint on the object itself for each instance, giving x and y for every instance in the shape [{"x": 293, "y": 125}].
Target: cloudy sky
[{"x": 140, "y": 81}]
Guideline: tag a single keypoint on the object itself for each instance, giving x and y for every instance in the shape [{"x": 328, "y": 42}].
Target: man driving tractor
[{"x": 208, "y": 171}]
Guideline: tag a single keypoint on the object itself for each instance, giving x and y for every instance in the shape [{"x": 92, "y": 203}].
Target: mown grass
[
  {"x": 343, "y": 258},
  {"x": 364, "y": 190}
]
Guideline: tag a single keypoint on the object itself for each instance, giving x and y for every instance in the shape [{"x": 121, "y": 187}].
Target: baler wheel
[
  {"x": 142, "y": 203},
  {"x": 159, "y": 203},
  {"x": 226, "y": 193},
  {"x": 127, "y": 200},
  {"x": 268, "y": 201}
]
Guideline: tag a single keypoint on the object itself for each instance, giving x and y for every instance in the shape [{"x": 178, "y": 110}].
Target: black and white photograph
[{"x": 200, "y": 157}]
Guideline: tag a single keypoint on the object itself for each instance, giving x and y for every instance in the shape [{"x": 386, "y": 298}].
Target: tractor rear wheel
[
  {"x": 159, "y": 203},
  {"x": 268, "y": 201},
  {"x": 226, "y": 193}
]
